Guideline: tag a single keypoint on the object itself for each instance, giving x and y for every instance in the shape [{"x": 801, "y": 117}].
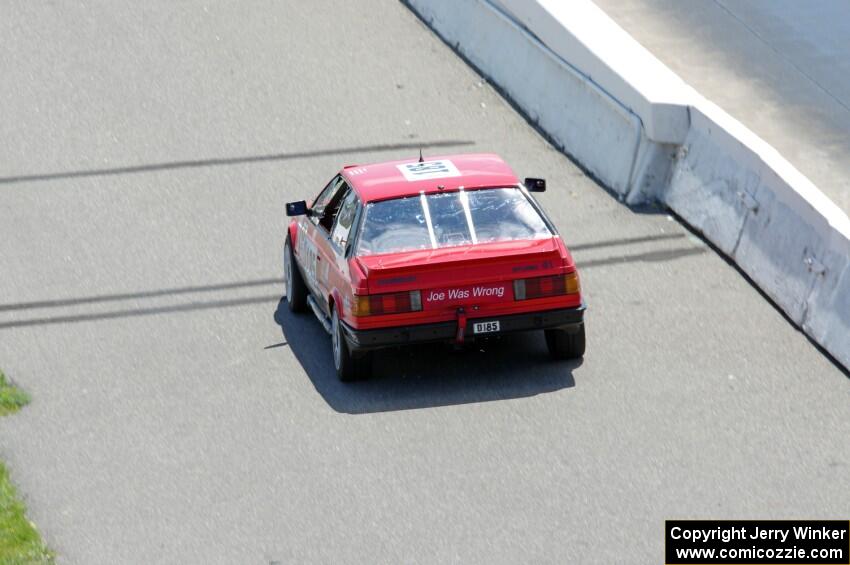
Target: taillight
[
  {"x": 541, "y": 287},
  {"x": 392, "y": 303}
]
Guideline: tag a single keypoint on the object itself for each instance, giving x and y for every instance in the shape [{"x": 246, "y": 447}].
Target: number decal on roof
[{"x": 428, "y": 170}]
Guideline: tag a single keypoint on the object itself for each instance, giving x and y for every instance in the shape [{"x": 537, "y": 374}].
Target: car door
[
  {"x": 343, "y": 229},
  {"x": 323, "y": 218},
  {"x": 309, "y": 236}
]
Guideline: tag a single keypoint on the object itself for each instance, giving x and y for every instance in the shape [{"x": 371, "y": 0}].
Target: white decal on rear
[{"x": 428, "y": 170}]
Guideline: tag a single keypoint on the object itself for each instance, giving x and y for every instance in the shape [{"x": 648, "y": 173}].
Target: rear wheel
[
  {"x": 565, "y": 345},
  {"x": 296, "y": 290},
  {"x": 349, "y": 366}
]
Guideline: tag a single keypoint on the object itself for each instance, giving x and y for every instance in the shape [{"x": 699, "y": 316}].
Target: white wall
[
  {"x": 645, "y": 134},
  {"x": 580, "y": 117}
]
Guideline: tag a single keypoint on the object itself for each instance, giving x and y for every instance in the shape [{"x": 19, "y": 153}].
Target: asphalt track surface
[
  {"x": 180, "y": 415},
  {"x": 782, "y": 67}
]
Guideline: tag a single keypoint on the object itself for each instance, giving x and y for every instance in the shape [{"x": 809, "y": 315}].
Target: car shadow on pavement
[{"x": 427, "y": 375}]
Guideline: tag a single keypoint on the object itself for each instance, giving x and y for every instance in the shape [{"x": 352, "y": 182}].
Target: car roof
[{"x": 408, "y": 177}]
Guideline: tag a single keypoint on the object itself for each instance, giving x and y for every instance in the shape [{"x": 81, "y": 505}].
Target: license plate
[{"x": 485, "y": 327}]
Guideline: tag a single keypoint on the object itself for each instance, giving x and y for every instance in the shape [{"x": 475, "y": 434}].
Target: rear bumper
[{"x": 363, "y": 340}]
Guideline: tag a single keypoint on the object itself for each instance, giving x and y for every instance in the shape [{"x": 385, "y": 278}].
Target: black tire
[
  {"x": 565, "y": 345},
  {"x": 349, "y": 367},
  {"x": 296, "y": 290}
]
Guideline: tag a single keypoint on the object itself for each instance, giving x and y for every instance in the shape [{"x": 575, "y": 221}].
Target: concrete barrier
[
  {"x": 828, "y": 322},
  {"x": 646, "y": 135},
  {"x": 604, "y": 138},
  {"x": 580, "y": 33},
  {"x": 760, "y": 211}
]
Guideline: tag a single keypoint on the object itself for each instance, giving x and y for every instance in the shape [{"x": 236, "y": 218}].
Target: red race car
[{"x": 451, "y": 249}]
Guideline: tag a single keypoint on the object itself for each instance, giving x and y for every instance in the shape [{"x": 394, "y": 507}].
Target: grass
[
  {"x": 19, "y": 540},
  {"x": 20, "y": 543},
  {"x": 11, "y": 397}
]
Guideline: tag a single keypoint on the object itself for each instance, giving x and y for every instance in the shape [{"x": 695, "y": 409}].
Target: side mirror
[
  {"x": 535, "y": 185},
  {"x": 298, "y": 208}
]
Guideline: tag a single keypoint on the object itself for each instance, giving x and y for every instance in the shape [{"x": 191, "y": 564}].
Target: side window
[
  {"x": 330, "y": 210},
  {"x": 327, "y": 204},
  {"x": 324, "y": 198},
  {"x": 345, "y": 219}
]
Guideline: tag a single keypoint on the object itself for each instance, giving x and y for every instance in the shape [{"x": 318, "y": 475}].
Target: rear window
[{"x": 449, "y": 219}]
